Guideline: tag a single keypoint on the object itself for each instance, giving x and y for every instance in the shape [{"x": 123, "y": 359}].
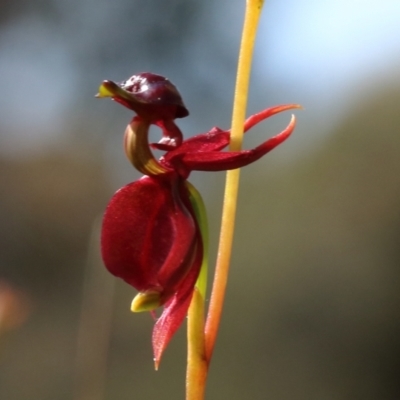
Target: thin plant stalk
[
  {"x": 252, "y": 16},
  {"x": 201, "y": 336},
  {"x": 197, "y": 366}
]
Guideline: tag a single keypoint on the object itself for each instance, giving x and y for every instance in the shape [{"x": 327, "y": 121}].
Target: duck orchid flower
[{"x": 151, "y": 234}]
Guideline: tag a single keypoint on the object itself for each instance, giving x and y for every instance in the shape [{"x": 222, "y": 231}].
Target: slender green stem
[
  {"x": 197, "y": 365},
  {"x": 201, "y": 217},
  {"x": 253, "y": 12}
]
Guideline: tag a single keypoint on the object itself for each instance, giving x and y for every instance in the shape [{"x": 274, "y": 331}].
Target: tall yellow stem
[
  {"x": 201, "y": 338},
  {"x": 252, "y": 16}
]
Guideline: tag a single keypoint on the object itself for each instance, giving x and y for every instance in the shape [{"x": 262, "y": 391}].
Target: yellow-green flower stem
[
  {"x": 201, "y": 216},
  {"x": 197, "y": 365},
  {"x": 252, "y": 16}
]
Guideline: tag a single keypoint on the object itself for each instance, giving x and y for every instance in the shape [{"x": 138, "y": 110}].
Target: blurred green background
[{"x": 312, "y": 309}]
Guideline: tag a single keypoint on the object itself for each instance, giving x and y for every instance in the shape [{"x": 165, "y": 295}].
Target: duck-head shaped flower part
[{"x": 151, "y": 233}]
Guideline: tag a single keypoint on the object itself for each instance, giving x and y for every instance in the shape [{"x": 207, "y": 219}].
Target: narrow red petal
[
  {"x": 217, "y": 161},
  {"x": 216, "y": 139},
  {"x": 269, "y": 112},
  {"x": 175, "y": 309}
]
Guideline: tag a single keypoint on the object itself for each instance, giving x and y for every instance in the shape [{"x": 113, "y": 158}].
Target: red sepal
[
  {"x": 214, "y": 160},
  {"x": 217, "y": 139},
  {"x": 217, "y": 161}
]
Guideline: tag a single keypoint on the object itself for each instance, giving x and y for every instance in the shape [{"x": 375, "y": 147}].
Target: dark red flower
[{"x": 151, "y": 236}]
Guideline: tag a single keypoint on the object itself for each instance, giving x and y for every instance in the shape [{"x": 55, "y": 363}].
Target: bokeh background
[{"x": 312, "y": 308}]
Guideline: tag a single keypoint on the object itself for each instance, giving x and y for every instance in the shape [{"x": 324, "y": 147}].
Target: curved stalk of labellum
[{"x": 137, "y": 149}]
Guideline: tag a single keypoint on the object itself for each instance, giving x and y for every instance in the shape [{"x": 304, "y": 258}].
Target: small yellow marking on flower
[
  {"x": 146, "y": 301},
  {"x": 104, "y": 92}
]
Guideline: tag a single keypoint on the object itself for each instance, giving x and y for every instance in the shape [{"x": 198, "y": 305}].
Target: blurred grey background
[{"x": 312, "y": 308}]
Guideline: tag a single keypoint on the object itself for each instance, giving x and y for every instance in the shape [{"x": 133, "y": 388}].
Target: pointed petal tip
[
  {"x": 280, "y": 108},
  {"x": 279, "y": 138},
  {"x": 292, "y": 123},
  {"x": 282, "y": 136},
  {"x": 268, "y": 112},
  {"x": 296, "y": 107},
  {"x": 146, "y": 301},
  {"x": 285, "y": 107}
]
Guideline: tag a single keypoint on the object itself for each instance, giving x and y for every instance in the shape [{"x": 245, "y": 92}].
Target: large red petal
[{"x": 148, "y": 235}]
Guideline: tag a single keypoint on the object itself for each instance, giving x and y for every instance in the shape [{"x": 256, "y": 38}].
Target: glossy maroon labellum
[{"x": 150, "y": 234}]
